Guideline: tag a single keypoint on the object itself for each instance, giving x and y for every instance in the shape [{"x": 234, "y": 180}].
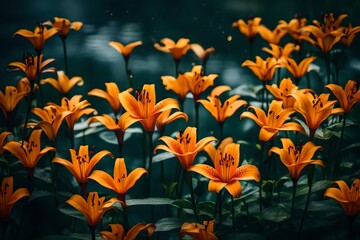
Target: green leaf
[
  {"x": 149, "y": 201},
  {"x": 43, "y": 174},
  {"x": 39, "y": 194},
  {"x": 168, "y": 224},
  {"x": 245, "y": 90},
  {"x": 351, "y": 146},
  {"x": 110, "y": 137},
  {"x": 72, "y": 212},
  {"x": 182, "y": 204},
  {"x": 277, "y": 213},
  {"x": 206, "y": 208},
  {"x": 317, "y": 186},
  {"x": 73, "y": 236},
  {"x": 162, "y": 157}
]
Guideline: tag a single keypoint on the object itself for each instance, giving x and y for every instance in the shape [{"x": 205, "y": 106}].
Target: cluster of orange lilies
[{"x": 290, "y": 116}]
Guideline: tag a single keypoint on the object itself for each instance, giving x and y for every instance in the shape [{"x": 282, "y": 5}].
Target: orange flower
[
  {"x": 315, "y": 109},
  {"x": 3, "y": 137},
  {"x": 227, "y": 172},
  {"x": 185, "y": 147},
  {"x": 111, "y": 95},
  {"x": 63, "y": 26},
  {"x": 297, "y": 70},
  {"x": 24, "y": 85},
  {"x": 38, "y": 37},
  {"x": 8, "y": 198},
  {"x": 82, "y": 162},
  {"x": 296, "y": 158},
  {"x": 10, "y": 100},
  {"x": 201, "y": 53},
  {"x": 349, "y": 34},
  {"x": 93, "y": 208},
  {"x": 348, "y": 96},
  {"x": 28, "y": 152},
  {"x": 349, "y": 198},
  {"x": 118, "y": 232},
  {"x": 273, "y": 36},
  {"x": 125, "y": 50},
  {"x": 197, "y": 231},
  {"x": 249, "y": 29},
  {"x": 218, "y": 110},
  {"x": 211, "y": 150},
  {"x": 293, "y": 28},
  {"x": 197, "y": 82},
  {"x": 29, "y": 66},
  {"x": 166, "y": 117},
  {"x": 176, "y": 49},
  {"x": 283, "y": 92},
  {"x": 178, "y": 85},
  {"x": 273, "y": 122},
  {"x": 63, "y": 84},
  {"x": 279, "y": 52},
  {"x": 121, "y": 182},
  {"x": 263, "y": 69},
  {"x": 144, "y": 108}
]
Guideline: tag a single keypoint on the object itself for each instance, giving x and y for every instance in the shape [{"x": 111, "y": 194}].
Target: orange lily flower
[
  {"x": 273, "y": 122},
  {"x": 201, "y": 53},
  {"x": 348, "y": 96},
  {"x": 178, "y": 85},
  {"x": 51, "y": 120},
  {"x": 249, "y": 28},
  {"x": 144, "y": 108},
  {"x": 176, "y": 49},
  {"x": 197, "y": 82},
  {"x": 283, "y": 92},
  {"x": 93, "y": 208},
  {"x": 227, "y": 172},
  {"x": 125, "y": 50},
  {"x": 3, "y": 137},
  {"x": 28, "y": 152},
  {"x": 118, "y": 232},
  {"x": 330, "y": 23},
  {"x": 279, "y": 52},
  {"x": 63, "y": 84},
  {"x": 315, "y": 109},
  {"x": 8, "y": 198},
  {"x": 10, "y": 100},
  {"x": 121, "y": 182},
  {"x": 77, "y": 107},
  {"x": 24, "y": 85},
  {"x": 211, "y": 150},
  {"x": 218, "y": 110},
  {"x": 185, "y": 147},
  {"x": 166, "y": 117},
  {"x": 349, "y": 198},
  {"x": 82, "y": 162},
  {"x": 293, "y": 28},
  {"x": 111, "y": 95},
  {"x": 198, "y": 231},
  {"x": 297, "y": 70},
  {"x": 38, "y": 37},
  {"x": 296, "y": 158},
  {"x": 349, "y": 34},
  {"x": 263, "y": 69},
  {"x": 29, "y": 66},
  {"x": 63, "y": 26},
  {"x": 273, "y": 36}
]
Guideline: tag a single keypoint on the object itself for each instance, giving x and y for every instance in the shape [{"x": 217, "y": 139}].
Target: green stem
[
  {"x": 120, "y": 137},
  {"x": 328, "y": 70},
  {"x": 72, "y": 138},
  {"x": 32, "y": 83},
  {"x": 293, "y": 198},
  {"x": 196, "y": 114},
  {"x": 232, "y": 211},
  {"x": 263, "y": 145},
  {"x": 150, "y": 134},
  {"x": 190, "y": 185},
  {"x": 92, "y": 231},
  {"x": 5, "y": 226},
  {"x": 177, "y": 62},
  {"x": 337, "y": 156},
  {"x": 144, "y": 148},
  {"x": 221, "y": 127},
  {"x": 65, "y": 55},
  {"x": 128, "y": 72},
  {"x": 246, "y": 207},
  {"x": 278, "y": 74}
]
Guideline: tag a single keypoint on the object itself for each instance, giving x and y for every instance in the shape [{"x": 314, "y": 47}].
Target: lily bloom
[
  {"x": 10, "y": 100},
  {"x": 177, "y": 85},
  {"x": 166, "y": 117},
  {"x": 82, "y": 163},
  {"x": 185, "y": 147},
  {"x": 296, "y": 158},
  {"x": 176, "y": 49},
  {"x": 283, "y": 92},
  {"x": 3, "y": 137},
  {"x": 218, "y": 110},
  {"x": 8, "y": 198},
  {"x": 315, "y": 109},
  {"x": 293, "y": 27},
  {"x": 263, "y": 69},
  {"x": 226, "y": 171},
  {"x": 211, "y": 150},
  {"x": 297, "y": 70},
  {"x": 198, "y": 231},
  {"x": 29, "y": 66},
  {"x": 63, "y": 26},
  {"x": 118, "y": 232},
  {"x": 249, "y": 28},
  {"x": 24, "y": 85},
  {"x": 28, "y": 152},
  {"x": 279, "y": 52},
  {"x": 198, "y": 82},
  {"x": 144, "y": 108},
  {"x": 51, "y": 120},
  {"x": 349, "y": 34},
  {"x": 63, "y": 84},
  {"x": 347, "y": 96},
  {"x": 121, "y": 182},
  {"x": 273, "y": 36},
  {"x": 349, "y": 198},
  {"x": 125, "y": 50},
  {"x": 201, "y": 53},
  {"x": 111, "y": 95},
  {"x": 93, "y": 208},
  {"x": 38, "y": 37},
  {"x": 273, "y": 122}
]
